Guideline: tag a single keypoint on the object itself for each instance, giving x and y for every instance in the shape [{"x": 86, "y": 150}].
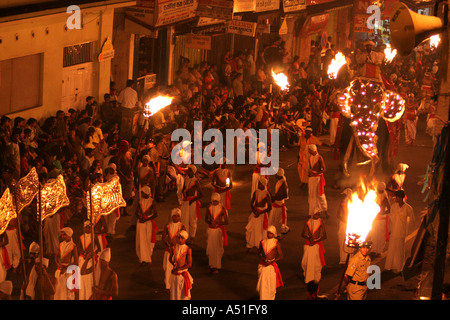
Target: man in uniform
[{"x": 356, "y": 274}]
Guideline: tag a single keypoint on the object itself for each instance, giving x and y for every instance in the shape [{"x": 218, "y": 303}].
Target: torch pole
[
  {"x": 41, "y": 238},
  {"x": 22, "y": 257},
  {"x": 93, "y": 240},
  {"x": 141, "y": 136},
  {"x": 338, "y": 292}
]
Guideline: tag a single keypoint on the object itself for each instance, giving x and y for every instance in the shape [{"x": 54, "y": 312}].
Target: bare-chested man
[
  {"x": 261, "y": 205},
  {"x": 278, "y": 215},
  {"x": 269, "y": 276},
  {"x": 216, "y": 217},
  {"x": 106, "y": 280},
  {"x": 181, "y": 258},
  {"x": 146, "y": 227},
  {"x": 190, "y": 207},
  {"x": 169, "y": 238},
  {"x": 222, "y": 184},
  {"x": 67, "y": 255},
  {"x": 316, "y": 182}
]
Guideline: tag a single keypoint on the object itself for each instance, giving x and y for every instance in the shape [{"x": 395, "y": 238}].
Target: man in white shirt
[{"x": 128, "y": 97}]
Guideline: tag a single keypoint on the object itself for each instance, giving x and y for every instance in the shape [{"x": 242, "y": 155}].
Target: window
[
  {"x": 20, "y": 83},
  {"x": 77, "y": 54}
]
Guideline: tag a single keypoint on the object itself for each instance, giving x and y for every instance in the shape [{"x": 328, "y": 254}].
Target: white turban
[
  {"x": 273, "y": 230},
  {"x": 184, "y": 234},
  {"x": 106, "y": 255},
  {"x": 280, "y": 172},
  {"x": 34, "y": 248},
  {"x": 215, "y": 196},
  {"x": 146, "y": 190},
  {"x": 67, "y": 231},
  {"x": 381, "y": 186},
  {"x": 6, "y": 287},
  {"x": 175, "y": 211},
  {"x": 348, "y": 192},
  {"x": 113, "y": 166},
  {"x": 192, "y": 167},
  {"x": 87, "y": 223},
  {"x": 146, "y": 157},
  {"x": 402, "y": 167},
  {"x": 312, "y": 147}
]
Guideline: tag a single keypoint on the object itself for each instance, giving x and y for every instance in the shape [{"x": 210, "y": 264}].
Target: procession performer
[
  {"x": 101, "y": 231},
  {"x": 190, "y": 208},
  {"x": 217, "y": 218},
  {"x": 169, "y": 238},
  {"x": 278, "y": 215},
  {"x": 41, "y": 285},
  {"x": 303, "y": 167},
  {"x": 222, "y": 183},
  {"x": 5, "y": 264},
  {"x": 67, "y": 255},
  {"x": 379, "y": 235},
  {"x": 410, "y": 120},
  {"x": 401, "y": 216},
  {"x": 316, "y": 182},
  {"x": 85, "y": 246},
  {"x": 397, "y": 180},
  {"x": 146, "y": 227},
  {"x": 106, "y": 280},
  {"x": 257, "y": 169},
  {"x": 356, "y": 274},
  {"x": 342, "y": 216},
  {"x": 313, "y": 251},
  {"x": 13, "y": 246},
  {"x": 181, "y": 258},
  {"x": 269, "y": 276},
  {"x": 258, "y": 222}
]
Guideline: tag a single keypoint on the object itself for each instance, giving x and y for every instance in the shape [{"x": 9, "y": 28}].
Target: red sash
[
  {"x": 335, "y": 114},
  {"x": 321, "y": 251},
  {"x": 283, "y": 211},
  {"x": 198, "y": 205},
  {"x": 154, "y": 230},
  {"x": 266, "y": 220},
  {"x": 5, "y": 256},
  {"x": 321, "y": 185},
  {"x": 187, "y": 282},
  {"x": 277, "y": 272},
  {"x": 224, "y": 233},
  {"x": 386, "y": 226}
]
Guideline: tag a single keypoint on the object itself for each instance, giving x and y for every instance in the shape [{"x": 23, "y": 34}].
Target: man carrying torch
[{"x": 356, "y": 274}]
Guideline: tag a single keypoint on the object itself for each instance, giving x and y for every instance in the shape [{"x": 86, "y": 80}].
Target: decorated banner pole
[
  {"x": 19, "y": 228},
  {"x": 91, "y": 218}
]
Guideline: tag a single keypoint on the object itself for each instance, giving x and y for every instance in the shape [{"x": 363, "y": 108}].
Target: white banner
[
  {"x": 267, "y": 5},
  {"x": 170, "y": 11},
  {"x": 244, "y": 28},
  {"x": 244, "y": 5}
]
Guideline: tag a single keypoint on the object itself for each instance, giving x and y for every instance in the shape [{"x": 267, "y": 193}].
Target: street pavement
[{"x": 238, "y": 277}]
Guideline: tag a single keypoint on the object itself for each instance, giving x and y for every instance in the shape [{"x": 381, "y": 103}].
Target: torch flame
[
  {"x": 337, "y": 62},
  {"x": 389, "y": 53},
  {"x": 281, "y": 80},
  {"x": 156, "y": 104},
  {"x": 434, "y": 40},
  {"x": 361, "y": 214},
  {"x": 228, "y": 182}
]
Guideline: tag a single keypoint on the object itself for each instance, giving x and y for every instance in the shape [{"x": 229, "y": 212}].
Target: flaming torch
[
  {"x": 434, "y": 41},
  {"x": 281, "y": 80},
  {"x": 389, "y": 54},
  {"x": 150, "y": 108},
  {"x": 362, "y": 210},
  {"x": 337, "y": 62}
]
